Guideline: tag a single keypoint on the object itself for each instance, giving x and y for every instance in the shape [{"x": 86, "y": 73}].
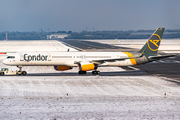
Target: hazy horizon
[{"x": 79, "y": 15}]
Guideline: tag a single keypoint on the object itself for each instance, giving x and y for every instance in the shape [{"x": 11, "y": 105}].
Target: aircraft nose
[{"x": 5, "y": 62}]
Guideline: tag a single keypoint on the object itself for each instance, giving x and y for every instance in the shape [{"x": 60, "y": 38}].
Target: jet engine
[
  {"x": 86, "y": 66},
  {"x": 62, "y": 68}
]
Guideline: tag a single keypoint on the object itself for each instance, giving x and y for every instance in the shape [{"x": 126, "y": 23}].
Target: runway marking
[{"x": 71, "y": 46}]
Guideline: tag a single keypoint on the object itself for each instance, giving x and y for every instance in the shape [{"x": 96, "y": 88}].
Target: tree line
[{"x": 131, "y": 34}]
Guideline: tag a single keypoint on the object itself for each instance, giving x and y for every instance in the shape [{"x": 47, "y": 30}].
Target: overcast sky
[{"x": 79, "y": 15}]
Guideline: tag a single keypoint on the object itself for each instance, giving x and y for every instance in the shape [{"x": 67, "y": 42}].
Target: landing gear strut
[
  {"x": 20, "y": 72},
  {"x": 82, "y": 72}
]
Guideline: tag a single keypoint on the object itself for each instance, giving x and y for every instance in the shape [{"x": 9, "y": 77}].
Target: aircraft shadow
[{"x": 118, "y": 73}]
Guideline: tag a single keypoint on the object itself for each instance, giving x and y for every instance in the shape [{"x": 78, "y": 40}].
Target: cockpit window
[{"x": 11, "y": 57}]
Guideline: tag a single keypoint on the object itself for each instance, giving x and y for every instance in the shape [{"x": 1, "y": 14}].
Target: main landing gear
[
  {"x": 82, "y": 72},
  {"x": 93, "y": 72},
  {"x": 20, "y": 72}
]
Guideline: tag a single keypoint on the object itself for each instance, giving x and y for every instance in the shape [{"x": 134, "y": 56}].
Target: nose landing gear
[{"x": 20, "y": 72}]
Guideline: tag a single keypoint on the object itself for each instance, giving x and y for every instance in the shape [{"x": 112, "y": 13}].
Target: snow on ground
[
  {"x": 89, "y": 97},
  {"x": 33, "y": 45},
  {"x": 83, "y": 97}
]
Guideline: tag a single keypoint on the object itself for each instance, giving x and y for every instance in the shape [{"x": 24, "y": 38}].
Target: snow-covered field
[
  {"x": 33, "y": 45},
  {"x": 84, "y": 97},
  {"x": 89, "y": 97}
]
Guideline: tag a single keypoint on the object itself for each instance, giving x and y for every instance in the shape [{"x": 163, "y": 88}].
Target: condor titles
[{"x": 38, "y": 57}]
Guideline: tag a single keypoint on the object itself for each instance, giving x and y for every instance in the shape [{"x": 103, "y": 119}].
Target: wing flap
[
  {"x": 117, "y": 59},
  {"x": 111, "y": 60}
]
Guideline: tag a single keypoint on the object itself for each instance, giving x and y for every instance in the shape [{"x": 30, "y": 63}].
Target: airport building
[{"x": 57, "y": 36}]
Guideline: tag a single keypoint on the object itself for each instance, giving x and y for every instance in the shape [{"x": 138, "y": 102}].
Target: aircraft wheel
[
  {"x": 24, "y": 72},
  {"x": 82, "y": 72},
  {"x": 95, "y": 72}
]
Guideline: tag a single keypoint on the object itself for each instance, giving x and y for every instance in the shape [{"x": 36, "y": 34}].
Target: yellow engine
[
  {"x": 62, "y": 68},
  {"x": 83, "y": 66}
]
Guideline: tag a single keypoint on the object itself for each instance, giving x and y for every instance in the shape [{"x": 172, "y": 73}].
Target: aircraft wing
[
  {"x": 111, "y": 60},
  {"x": 120, "y": 59},
  {"x": 137, "y": 55}
]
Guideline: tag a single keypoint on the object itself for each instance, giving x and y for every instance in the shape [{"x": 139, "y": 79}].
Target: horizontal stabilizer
[{"x": 161, "y": 56}]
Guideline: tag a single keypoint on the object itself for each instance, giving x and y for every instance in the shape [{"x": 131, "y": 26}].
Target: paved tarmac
[
  {"x": 113, "y": 73},
  {"x": 84, "y": 45}
]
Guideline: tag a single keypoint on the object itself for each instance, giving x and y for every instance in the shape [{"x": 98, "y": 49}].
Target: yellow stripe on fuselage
[{"x": 133, "y": 61}]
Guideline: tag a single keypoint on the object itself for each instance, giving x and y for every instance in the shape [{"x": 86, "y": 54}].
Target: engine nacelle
[
  {"x": 86, "y": 66},
  {"x": 62, "y": 68}
]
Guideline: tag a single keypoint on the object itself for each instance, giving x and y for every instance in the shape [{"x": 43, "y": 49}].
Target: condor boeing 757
[{"x": 87, "y": 61}]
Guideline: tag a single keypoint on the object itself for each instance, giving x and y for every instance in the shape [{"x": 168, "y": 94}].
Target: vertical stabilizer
[{"x": 152, "y": 45}]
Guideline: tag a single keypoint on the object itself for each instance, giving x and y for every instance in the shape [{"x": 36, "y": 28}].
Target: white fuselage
[{"x": 65, "y": 58}]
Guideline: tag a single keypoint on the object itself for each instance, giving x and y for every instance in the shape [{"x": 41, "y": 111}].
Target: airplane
[{"x": 89, "y": 61}]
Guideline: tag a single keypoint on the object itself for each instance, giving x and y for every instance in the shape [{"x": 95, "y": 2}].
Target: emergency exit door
[
  {"x": 49, "y": 57},
  {"x": 21, "y": 57}
]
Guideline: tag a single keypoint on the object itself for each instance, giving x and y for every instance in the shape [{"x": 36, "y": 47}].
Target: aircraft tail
[{"x": 152, "y": 45}]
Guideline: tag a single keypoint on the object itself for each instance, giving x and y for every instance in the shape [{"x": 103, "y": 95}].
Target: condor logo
[
  {"x": 154, "y": 42},
  {"x": 35, "y": 57}
]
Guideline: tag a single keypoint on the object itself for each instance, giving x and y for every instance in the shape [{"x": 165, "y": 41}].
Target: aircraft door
[
  {"x": 21, "y": 57},
  {"x": 49, "y": 57}
]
